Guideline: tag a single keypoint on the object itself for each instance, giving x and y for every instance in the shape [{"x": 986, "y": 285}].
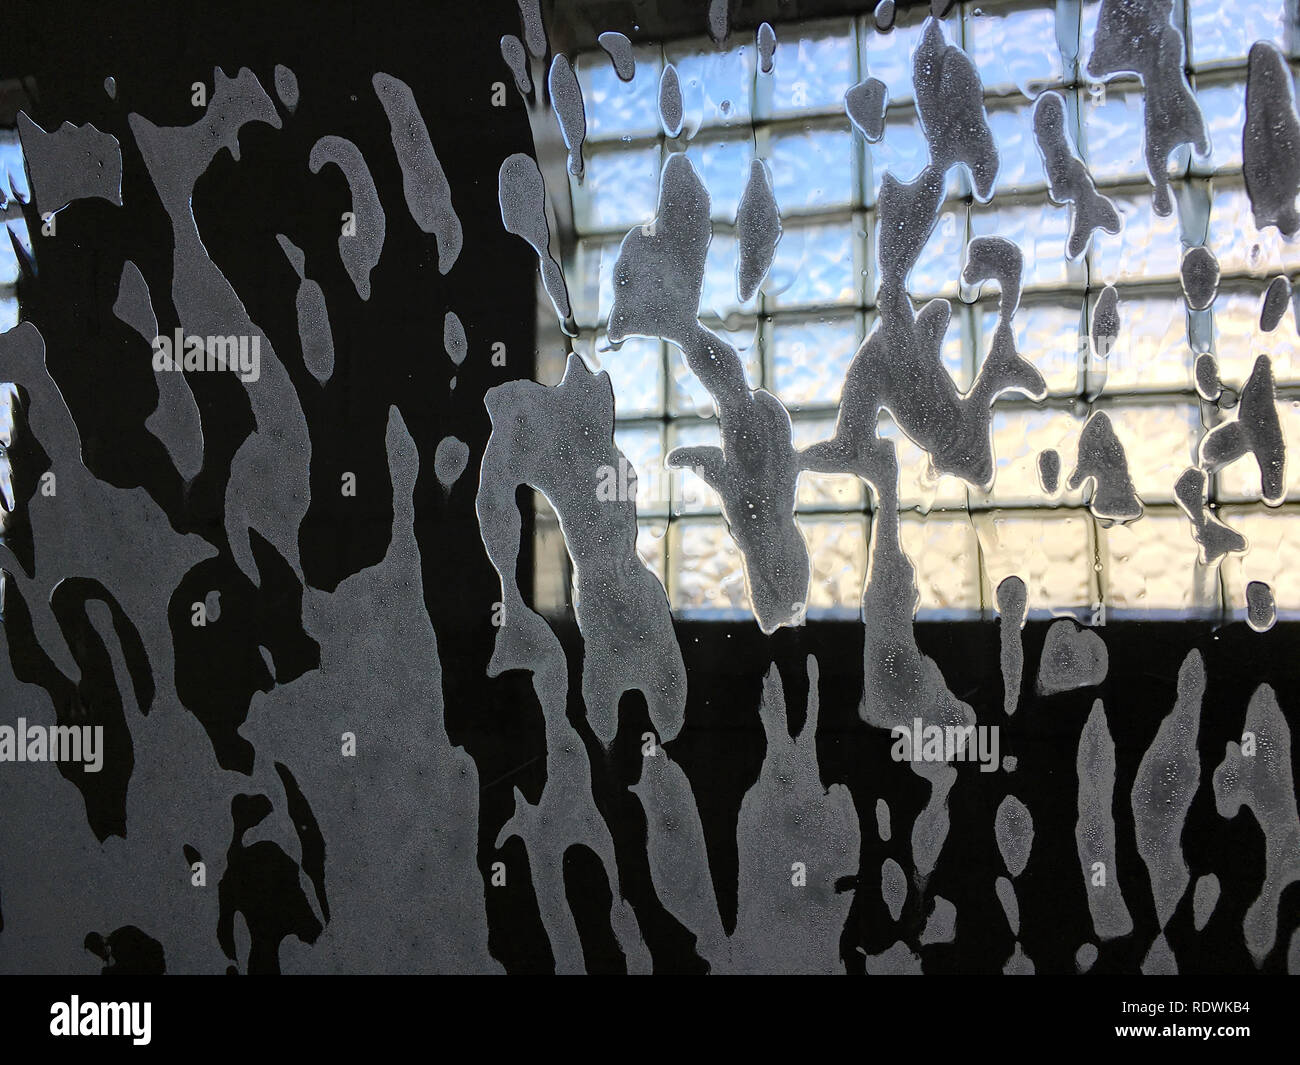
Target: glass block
[
  {"x": 552, "y": 360},
  {"x": 1239, "y": 246},
  {"x": 9, "y": 269},
  {"x": 823, "y": 491},
  {"x": 1151, "y": 351},
  {"x": 552, "y": 574},
  {"x": 705, "y": 572},
  {"x": 616, "y": 108},
  {"x": 1040, "y": 230},
  {"x": 717, "y": 87},
  {"x": 687, "y": 395},
  {"x": 1019, "y": 165},
  {"x": 1088, "y": 13},
  {"x": 1223, "y": 106},
  {"x": 719, "y": 297},
  {"x": 938, "y": 268},
  {"x": 1114, "y": 134},
  {"x": 1224, "y": 33},
  {"x": 13, "y": 175},
  {"x": 815, "y": 66},
  {"x": 591, "y": 282},
  {"x": 837, "y": 549},
  {"x": 1014, "y": 47},
  {"x": 1273, "y": 557},
  {"x": 8, "y": 402},
  {"x": 1238, "y": 339},
  {"x": 810, "y": 358},
  {"x": 1047, "y": 334},
  {"x": 958, "y": 347},
  {"x": 919, "y": 488},
  {"x": 740, "y": 333},
  {"x": 1151, "y": 569},
  {"x": 812, "y": 169},
  {"x": 888, "y": 56},
  {"x": 637, "y": 374},
  {"x": 816, "y": 265},
  {"x": 1148, "y": 248},
  {"x": 1160, "y": 441},
  {"x": 1240, "y": 480},
  {"x": 904, "y": 152},
  {"x": 6, "y": 492},
  {"x": 620, "y": 189},
  {"x": 1051, "y": 552},
  {"x": 944, "y": 553},
  {"x": 652, "y": 547},
  {"x": 691, "y": 493},
  {"x": 643, "y": 448},
  {"x": 723, "y": 166},
  {"x": 1020, "y": 435}
]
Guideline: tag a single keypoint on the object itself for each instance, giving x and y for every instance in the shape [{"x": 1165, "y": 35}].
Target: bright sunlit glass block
[
  {"x": 1151, "y": 570},
  {"x": 944, "y": 552},
  {"x": 824, "y": 491},
  {"x": 705, "y": 572},
  {"x": 1273, "y": 557},
  {"x": 837, "y": 547},
  {"x": 1052, "y": 552}
]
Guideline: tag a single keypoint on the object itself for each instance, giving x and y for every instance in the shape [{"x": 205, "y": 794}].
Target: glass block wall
[
  {"x": 14, "y": 181},
  {"x": 799, "y": 333}
]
